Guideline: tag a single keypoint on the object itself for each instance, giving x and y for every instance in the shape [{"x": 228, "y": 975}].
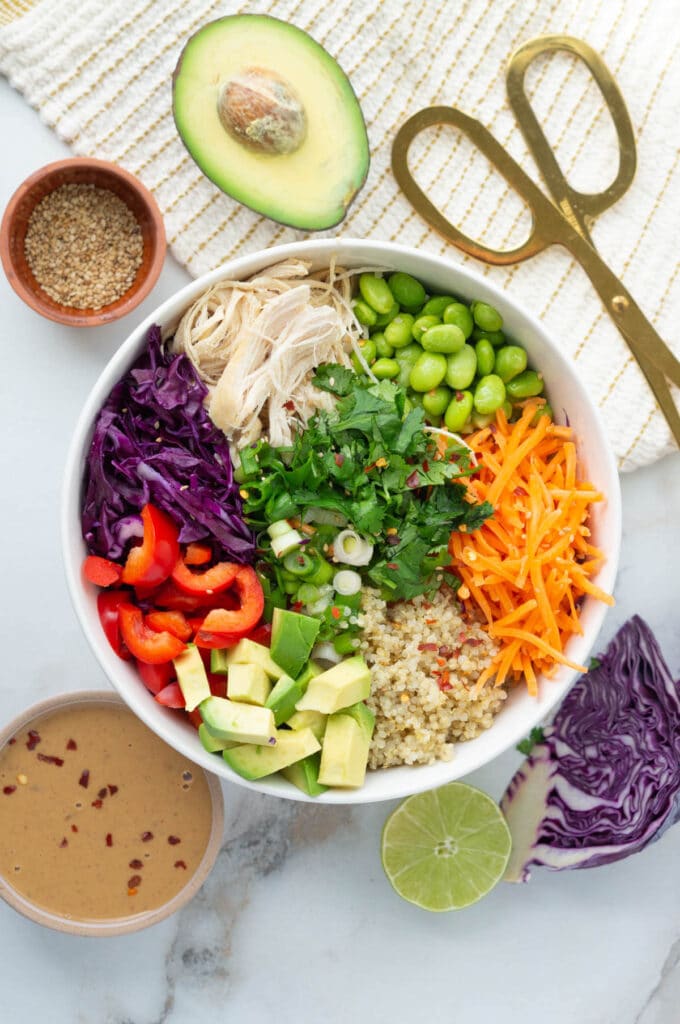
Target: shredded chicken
[{"x": 255, "y": 344}]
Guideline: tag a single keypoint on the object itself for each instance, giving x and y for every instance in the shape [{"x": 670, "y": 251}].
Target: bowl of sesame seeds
[{"x": 82, "y": 242}]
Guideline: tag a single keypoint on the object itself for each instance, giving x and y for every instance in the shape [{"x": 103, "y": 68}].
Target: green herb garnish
[
  {"x": 594, "y": 663},
  {"x": 535, "y": 736},
  {"x": 370, "y": 459}
]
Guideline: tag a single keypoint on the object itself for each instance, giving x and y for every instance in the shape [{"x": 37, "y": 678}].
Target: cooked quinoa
[{"x": 425, "y": 659}]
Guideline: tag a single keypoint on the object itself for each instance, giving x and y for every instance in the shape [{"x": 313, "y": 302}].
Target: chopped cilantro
[
  {"x": 371, "y": 460},
  {"x": 594, "y": 663},
  {"x": 535, "y": 736}
]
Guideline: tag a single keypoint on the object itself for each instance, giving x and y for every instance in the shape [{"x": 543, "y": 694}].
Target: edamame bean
[
  {"x": 386, "y": 318},
  {"x": 406, "y": 290},
  {"x": 461, "y": 368},
  {"x": 407, "y": 358},
  {"x": 544, "y": 410},
  {"x": 495, "y": 337},
  {"x": 422, "y": 324},
  {"x": 507, "y": 409},
  {"x": 428, "y": 371},
  {"x": 479, "y": 421},
  {"x": 436, "y": 402},
  {"x": 437, "y": 304},
  {"x": 510, "y": 360},
  {"x": 398, "y": 332},
  {"x": 459, "y": 315},
  {"x": 376, "y": 292},
  {"x": 458, "y": 411},
  {"x": 382, "y": 348},
  {"x": 489, "y": 394},
  {"x": 486, "y": 357},
  {"x": 385, "y": 369},
  {"x": 368, "y": 351},
  {"x": 486, "y": 317},
  {"x": 526, "y": 385},
  {"x": 364, "y": 314},
  {"x": 443, "y": 338}
]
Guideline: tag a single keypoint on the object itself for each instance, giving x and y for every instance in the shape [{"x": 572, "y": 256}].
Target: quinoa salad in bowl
[{"x": 337, "y": 523}]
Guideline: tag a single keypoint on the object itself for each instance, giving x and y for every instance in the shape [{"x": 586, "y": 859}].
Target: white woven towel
[{"x": 100, "y": 74}]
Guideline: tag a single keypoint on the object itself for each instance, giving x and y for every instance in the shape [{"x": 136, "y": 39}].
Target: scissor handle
[
  {"x": 547, "y": 224},
  {"x": 570, "y": 200}
]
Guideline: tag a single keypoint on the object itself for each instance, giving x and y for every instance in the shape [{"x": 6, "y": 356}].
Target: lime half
[{"x": 445, "y": 849}]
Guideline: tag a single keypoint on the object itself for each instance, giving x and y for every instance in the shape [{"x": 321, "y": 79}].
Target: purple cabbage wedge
[
  {"x": 605, "y": 781},
  {"x": 154, "y": 442}
]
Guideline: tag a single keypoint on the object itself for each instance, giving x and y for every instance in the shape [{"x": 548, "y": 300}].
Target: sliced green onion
[
  {"x": 350, "y": 548},
  {"x": 300, "y": 563},
  {"x": 279, "y": 528},
  {"x": 326, "y": 516},
  {"x": 308, "y": 593},
  {"x": 347, "y": 582},
  {"x": 286, "y": 542},
  {"x": 326, "y": 652}
]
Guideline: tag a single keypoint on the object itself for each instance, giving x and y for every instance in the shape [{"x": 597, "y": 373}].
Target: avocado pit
[{"x": 261, "y": 110}]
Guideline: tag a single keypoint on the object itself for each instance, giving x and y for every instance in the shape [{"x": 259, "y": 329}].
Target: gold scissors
[{"x": 567, "y": 219}]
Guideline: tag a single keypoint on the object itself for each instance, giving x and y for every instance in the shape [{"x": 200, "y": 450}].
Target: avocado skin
[{"x": 281, "y": 218}]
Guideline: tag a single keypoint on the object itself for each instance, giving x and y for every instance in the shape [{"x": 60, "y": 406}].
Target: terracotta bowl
[
  {"x": 81, "y": 171},
  {"x": 98, "y": 928}
]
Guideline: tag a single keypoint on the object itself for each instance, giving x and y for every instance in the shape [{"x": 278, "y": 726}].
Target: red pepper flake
[
  {"x": 97, "y": 803},
  {"x": 180, "y": 864},
  {"x": 474, "y": 642},
  {"x": 71, "y": 745},
  {"x": 445, "y": 651},
  {"x": 339, "y": 458},
  {"x": 51, "y": 759},
  {"x": 34, "y": 739},
  {"x": 393, "y": 540},
  {"x": 102, "y": 793},
  {"x": 12, "y": 741},
  {"x": 430, "y": 622},
  {"x": 289, "y": 405},
  {"x": 297, "y": 606},
  {"x": 335, "y": 612},
  {"x": 147, "y": 836},
  {"x": 113, "y": 790},
  {"x": 414, "y": 479},
  {"x": 109, "y": 839},
  {"x": 132, "y": 892},
  {"x": 462, "y": 637},
  {"x": 134, "y": 882},
  {"x": 84, "y": 779},
  {"x": 174, "y": 840},
  {"x": 519, "y": 492},
  {"x": 8, "y": 790},
  {"x": 441, "y": 662},
  {"x": 74, "y": 828},
  {"x": 136, "y": 864},
  {"x": 392, "y": 565},
  {"x": 427, "y": 647},
  {"x": 443, "y": 681},
  {"x": 63, "y": 843}
]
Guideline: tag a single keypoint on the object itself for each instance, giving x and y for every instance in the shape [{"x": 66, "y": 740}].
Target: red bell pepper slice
[
  {"x": 197, "y": 553},
  {"x": 146, "y": 645},
  {"x": 262, "y": 634},
  {"x": 156, "y": 677},
  {"x": 171, "y": 696},
  {"x": 195, "y": 718},
  {"x": 210, "y": 581},
  {"x": 108, "y": 603},
  {"x": 170, "y": 596},
  {"x": 170, "y": 622},
  {"x": 219, "y": 641},
  {"x": 101, "y": 571},
  {"x": 151, "y": 562},
  {"x": 236, "y": 623}
]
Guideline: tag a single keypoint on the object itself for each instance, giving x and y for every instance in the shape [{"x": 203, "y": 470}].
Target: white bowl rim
[{"x": 418, "y": 778}]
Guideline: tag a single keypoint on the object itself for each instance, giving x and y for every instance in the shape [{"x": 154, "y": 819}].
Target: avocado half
[{"x": 271, "y": 118}]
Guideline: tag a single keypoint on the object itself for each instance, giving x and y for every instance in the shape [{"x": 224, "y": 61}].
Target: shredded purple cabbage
[
  {"x": 606, "y": 780},
  {"x": 154, "y": 442}
]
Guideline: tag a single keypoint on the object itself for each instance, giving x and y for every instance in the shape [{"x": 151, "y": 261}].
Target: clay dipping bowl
[
  {"x": 102, "y": 927},
  {"x": 81, "y": 171}
]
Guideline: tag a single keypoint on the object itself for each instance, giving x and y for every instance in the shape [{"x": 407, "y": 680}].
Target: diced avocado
[
  {"x": 211, "y": 743},
  {"x": 293, "y": 636},
  {"x": 310, "y": 670},
  {"x": 254, "y": 762},
  {"x": 271, "y": 118},
  {"x": 283, "y": 698},
  {"x": 191, "y": 676},
  {"x": 247, "y": 652},
  {"x": 363, "y": 716},
  {"x": 345, "y": 752},
  {"x": 244, "y": 723},
  {"x": 345, "y": 683},
  {"x": 305, "y": 775},
  {"x": 313, "y": 720},
  {"x": 248, "y": 684},
  {"x": 218, "y": 661}
]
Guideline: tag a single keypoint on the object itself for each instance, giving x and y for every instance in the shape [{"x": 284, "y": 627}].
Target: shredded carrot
[{"x": 529, "y": 566}]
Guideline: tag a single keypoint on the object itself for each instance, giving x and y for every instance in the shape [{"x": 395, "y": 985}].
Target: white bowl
[{"x": 568, "y": 398}]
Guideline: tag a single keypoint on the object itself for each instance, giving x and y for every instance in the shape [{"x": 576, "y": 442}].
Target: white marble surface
[{"x": 297, "y": 923}]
